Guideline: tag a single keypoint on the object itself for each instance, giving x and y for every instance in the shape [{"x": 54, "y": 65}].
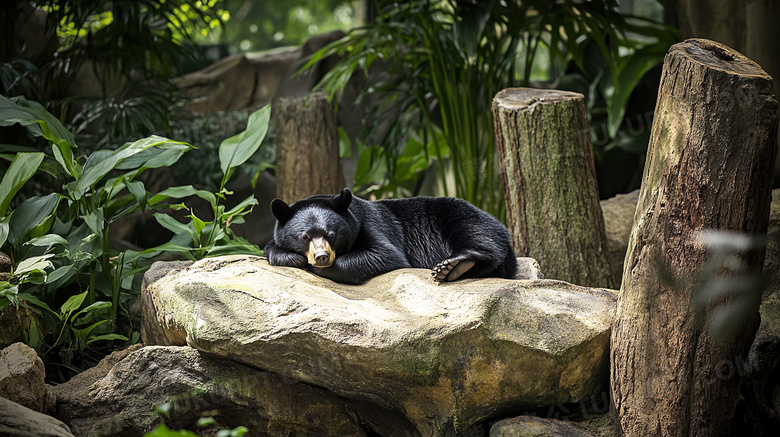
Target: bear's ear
[
  {"x": 342, "y": 202},
  {"x": 280, "y": 209}
]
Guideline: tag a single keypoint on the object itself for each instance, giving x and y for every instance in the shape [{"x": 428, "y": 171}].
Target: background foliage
[
  {"x": 440, "y": 62},
  {"x": 101, "y": 72},
  {"x": 62, "y": 259}
]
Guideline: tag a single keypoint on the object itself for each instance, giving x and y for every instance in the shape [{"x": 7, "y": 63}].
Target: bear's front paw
[
  {"x": 287, "y": 259},
  {"x": 451, "y": 269}
]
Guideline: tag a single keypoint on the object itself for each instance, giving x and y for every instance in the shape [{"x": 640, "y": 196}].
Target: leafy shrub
[
  {"x": 441, "y": 63},
  {"x": 63, "y": 261}
]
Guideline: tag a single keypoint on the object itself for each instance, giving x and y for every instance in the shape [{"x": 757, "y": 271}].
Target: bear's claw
[{"x": 451, "y": 269}]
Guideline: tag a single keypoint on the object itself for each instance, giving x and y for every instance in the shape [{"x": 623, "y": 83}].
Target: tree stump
[
  {"x": 553, "y": 210},
  {"x": 307, "y": 151},
  {"x": 709, "y": 168}
]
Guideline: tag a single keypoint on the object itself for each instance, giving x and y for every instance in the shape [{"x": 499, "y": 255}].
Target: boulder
[
  {"x": 245, "y": 81},
  {"x": 618, "y": 214},
  {"x": 761, "y": 370},
  {"x": 16, "y": 323},
  {"x": 119, "y": 397},
  {"x": 238, "y": 81},
  {"x": 531, "y": 426},
  {"x": 18, "y": 420},
  {"x": 6, "y": 266},
  {"x": 22, "y": 378},
  {"x": 414, "y": 357}
]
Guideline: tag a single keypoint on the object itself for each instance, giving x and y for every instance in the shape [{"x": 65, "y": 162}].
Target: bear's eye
[
  {"x": 331, "y": 235},
  {"x": 305, "y": 237}
]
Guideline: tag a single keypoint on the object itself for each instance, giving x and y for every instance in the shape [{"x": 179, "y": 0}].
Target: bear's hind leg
[{"x": 451, "y": 269}]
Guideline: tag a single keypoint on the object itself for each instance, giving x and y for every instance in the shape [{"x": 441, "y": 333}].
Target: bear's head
[{"x": 318, "y": 227}]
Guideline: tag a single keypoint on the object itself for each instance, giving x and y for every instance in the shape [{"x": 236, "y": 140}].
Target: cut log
[
  {"x": 709, "y": 169},
  {"x": 307, "y": 151},
  {"x": 550, "y": 187}
]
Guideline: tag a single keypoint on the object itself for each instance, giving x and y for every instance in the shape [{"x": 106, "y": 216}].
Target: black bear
[{"x": 350, "y": 240}]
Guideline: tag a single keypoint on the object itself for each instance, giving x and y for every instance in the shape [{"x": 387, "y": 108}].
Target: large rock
[
  {"x": 18, "y": 420},
  {"x": 618, "y": 214},
  {"x": 118, "y": 397},
  {"x": 16, "y": 323},
  {"x": 415, "y": 357},
  {"x": 22, "y": 377},
  {"x": 761, "y": 370},
  {"x": 531, "y": 426}
]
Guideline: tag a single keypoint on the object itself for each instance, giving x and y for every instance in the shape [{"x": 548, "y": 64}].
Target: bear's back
[{"x": 435, "y": 227}]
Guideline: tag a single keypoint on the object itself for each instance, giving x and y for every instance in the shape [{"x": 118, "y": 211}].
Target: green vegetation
[
  {"x": 441, "y": 62},
  {"x": 434, "y": 68},
  {"x": 59, "y": 245},
  {"x": 162, "y": 430}
]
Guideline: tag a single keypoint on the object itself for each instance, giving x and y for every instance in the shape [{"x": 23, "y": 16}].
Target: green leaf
[
  {"x": 29, "y": 113},
  {"x": 183, "y": 191},
  {"x": 62, "y": 273},
  {"x": 35, "y": 335},
  {"x": 40, "y": 122},
  {"x": 22, "y": 168},
  {"x": 249, "y": 201},
  {"x": 107, "y": 337},
  {"x": 34, "y": 264},
  {"x": 175, "y": 226},
  {"x": 72, "y": 304},
  {"x": 632, "y": 69},
  {"x": 47, "y": 240},
  {"x": 94, "y": 221},
  {"x": 99, "y": 164},
  {"x": 92, "y": 307},
  {"x": 82, "y": 334},
  {"x": 235, "y": 150},
  {"x": 35, "y": 301},
  {"x": 206, "y": 421},
  {"x": 83, "y": 244},
  {"x": 636, "y": 144},
  {"x": 471, "y": 23},
  {"x": 138, "y": 190},
  {"x": 345, "y": 145},
  {"x": 163, "y": 155},
  {"x": 3, "y": 232},
  {"x": 199, "y": 225},
  {"x": 31, "y": 213}
]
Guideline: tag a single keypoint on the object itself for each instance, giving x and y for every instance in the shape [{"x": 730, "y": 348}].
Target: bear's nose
[{"x": 322, "y": 258}]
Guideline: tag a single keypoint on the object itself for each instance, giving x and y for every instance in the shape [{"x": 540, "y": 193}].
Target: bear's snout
[
  {"x": 320, "y": 253},
  {"x": 321, "y": 258}
]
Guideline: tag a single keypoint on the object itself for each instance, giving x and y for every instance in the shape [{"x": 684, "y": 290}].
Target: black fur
[{"x": 371, "y": 238}]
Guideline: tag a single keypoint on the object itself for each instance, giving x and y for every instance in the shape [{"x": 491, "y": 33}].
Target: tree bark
[
  {"x": 550, "y": 188},
  {"x": 709, "y": 166},
  {"x": 307, "y": 151},
  {"x": 750, "y": 27}
]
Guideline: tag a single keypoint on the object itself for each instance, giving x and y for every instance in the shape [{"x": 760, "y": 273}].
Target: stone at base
[{"x": 18, "y": 420}]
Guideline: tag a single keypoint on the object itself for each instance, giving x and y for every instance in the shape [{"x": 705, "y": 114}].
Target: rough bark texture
[
  {"x": 709, "y": 166},
  {"x": 307, "y": 157},
  {"x": 550, "y": 184},
  {"x": 749, "y": 27}
]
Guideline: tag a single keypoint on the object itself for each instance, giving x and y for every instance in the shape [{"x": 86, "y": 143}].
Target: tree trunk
[
  {"x": 709, "y": 166},
  {"x": 750, "y": 27},
  {"x": 550, "y": 187},
  {"x": 307, "y": 151}
]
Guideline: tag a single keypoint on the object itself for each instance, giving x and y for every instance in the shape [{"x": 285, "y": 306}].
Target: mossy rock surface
[{"x": 440, "y": 356}]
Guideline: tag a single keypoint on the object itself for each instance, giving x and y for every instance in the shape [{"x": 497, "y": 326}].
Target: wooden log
[
  {"x": 550, "y": 188},
  {"x": 307, "y": 151},
  {"x": 709, "y": 168}
]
